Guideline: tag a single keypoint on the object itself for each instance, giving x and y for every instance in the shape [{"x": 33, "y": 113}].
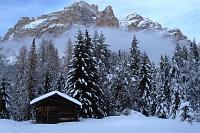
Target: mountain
[
  {"x": 88, "y": 15},
  {"x": 79, "y": 13},
  {"x": 135, "y": 22}
]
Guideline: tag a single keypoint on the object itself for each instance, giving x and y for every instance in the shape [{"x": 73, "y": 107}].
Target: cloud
[{"x": 150, "y": 42}]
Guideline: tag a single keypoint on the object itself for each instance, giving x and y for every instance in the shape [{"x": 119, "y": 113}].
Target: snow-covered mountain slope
[{"x": 134, "y": 123}]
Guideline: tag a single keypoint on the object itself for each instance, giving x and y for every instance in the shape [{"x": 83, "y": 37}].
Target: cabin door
[
  {"x": 47, "y": 114},
  {"x": 52, "y": 114}
]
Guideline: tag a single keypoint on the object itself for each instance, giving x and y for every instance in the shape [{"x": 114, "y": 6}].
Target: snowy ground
[{"x": 135, "y": 123}]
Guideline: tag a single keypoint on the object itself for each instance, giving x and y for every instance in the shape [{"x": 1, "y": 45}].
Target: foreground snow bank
[{"x": 134, "y": 123}]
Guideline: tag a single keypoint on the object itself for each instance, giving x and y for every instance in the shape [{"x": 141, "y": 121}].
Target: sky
[{"x": 183, "y": 14}]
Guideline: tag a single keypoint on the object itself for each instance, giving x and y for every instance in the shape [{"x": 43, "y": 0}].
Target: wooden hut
[{"x": 55, "y": 107}]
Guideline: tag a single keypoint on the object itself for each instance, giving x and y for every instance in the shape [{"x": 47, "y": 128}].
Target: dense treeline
[{"x": 105, "y": 82}]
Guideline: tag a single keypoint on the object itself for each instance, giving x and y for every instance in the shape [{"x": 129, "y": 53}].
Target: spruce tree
[
  {"x": 68, "y": 57},
  {"x": 164, "y": 88},
  {"x": 135, "y": 58},
  {"x": 20, "y": 100},
  {"x": 47, "y": 86},
  {"x": 194, "y": 51},
  {"x": 60, "y": 85},
  {"x": 83, "y": 79},
  {"x": 176, "y": 81},
  {"x": 145, "y": 86},
  {"x": 48, "y": 67},
  {"x": 4, "y": 103},
  {"x": 186, "y": 112},
  {"x": 121, "y": 99},
  {"x": 134, "y": 68},
  {"x": 32, "y": 72},
  {"x": 102, "y": 56}
]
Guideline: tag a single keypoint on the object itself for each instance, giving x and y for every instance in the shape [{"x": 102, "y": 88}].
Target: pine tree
[
  {"x": 47, "y": 86},
  {"x": 42, "y": 66},
  {"x": 121, "y": 98},
  {"x": 145, "y": 86},
  {"x": 194, "y": 51},
  {"x": 134, "y": 68},
  {"x": 135, "y": 57},
  {"x": 176, "y": 101},
  {"x": 102, "y": 55},
  {"x": 177, "y": 89},
  {"x": 68, "y": 57},
  {"x": 164, "y": 89},
  {"x": 186, "y": 112},
  {"x": 153, "y": 90},
  {"x": 60, "y": 85},
  {"x": 83, "y": 80},
  {"x": 4, "y": 103},
  {"x": 96, "y": 46},
  {"x": 32, "y": 72},
  {"x": 48, "y": 67},
  {"x": 193, "y": 87},
  {"x": 53, "y": 62},
  {"x": 20, "y": 99}
]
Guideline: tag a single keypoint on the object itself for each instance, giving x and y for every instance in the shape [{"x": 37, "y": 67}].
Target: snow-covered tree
[
  {"x": 102, "y": 55},
  {"x": 135, "y": 57},
  {"x": 83, "y": 79},
  {"x": 20, "y": 99},
  {"x": 53, "y": 62},
  {"x": 145, "y": 86},
  {"x": 48, "y": 67},
  {"x": 4, "y": 99},
  {"x": 134, "y": 68},
  {"x": 194, "y": 51},
  {"x": 186, "y": 112},
  {"x": 68, "y": 57},
  {"x": 121, "y": 98},
  {"x": 60, "y": 85},
  {"x": 47, "y": 86},
  {"x": 164, "y": 88},
  {"x": 32, "y": 82}
]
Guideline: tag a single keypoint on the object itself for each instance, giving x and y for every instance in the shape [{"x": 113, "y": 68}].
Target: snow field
[{"x": 134, "y": 123}]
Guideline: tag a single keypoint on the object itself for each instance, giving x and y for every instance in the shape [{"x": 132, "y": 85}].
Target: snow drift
[{"x": 134, "y": 123}]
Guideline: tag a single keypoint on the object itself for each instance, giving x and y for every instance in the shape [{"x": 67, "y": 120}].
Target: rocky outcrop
[{"x": 107, "y": 18}]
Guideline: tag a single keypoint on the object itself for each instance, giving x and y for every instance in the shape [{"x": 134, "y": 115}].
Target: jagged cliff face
[
  {"x": 79, "y": 13},
  {"x": 82, "y": 13}
]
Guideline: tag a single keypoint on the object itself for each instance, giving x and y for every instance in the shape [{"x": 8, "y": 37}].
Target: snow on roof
[{"x": 53, "y": 93}]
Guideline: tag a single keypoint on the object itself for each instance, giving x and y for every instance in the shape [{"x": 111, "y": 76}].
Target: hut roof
[{"x": 53, "y": 93}]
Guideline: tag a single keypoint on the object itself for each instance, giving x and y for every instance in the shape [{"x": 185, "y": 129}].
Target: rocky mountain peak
[
  {"x": 135, "y": 22},
  {"x": 85, "y": 14},
  {"x": 107, "y": 18},
  {"x": 79, "y": 13},
  {"x": 85, "y": 5}
]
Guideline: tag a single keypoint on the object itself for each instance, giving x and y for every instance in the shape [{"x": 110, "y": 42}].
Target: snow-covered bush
[
  {"x": 185, "y": 112},
  {"x": 126, "y": 112}
]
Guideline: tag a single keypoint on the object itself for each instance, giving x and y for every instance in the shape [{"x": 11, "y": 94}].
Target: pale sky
[{"x": 183, "y": 14}]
